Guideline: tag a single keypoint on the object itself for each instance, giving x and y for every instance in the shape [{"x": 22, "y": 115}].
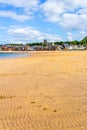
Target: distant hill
[{"x": 84, "y": 39}]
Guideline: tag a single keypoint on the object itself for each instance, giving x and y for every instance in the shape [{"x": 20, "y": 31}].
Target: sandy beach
[{"x": 44, "y": 91}]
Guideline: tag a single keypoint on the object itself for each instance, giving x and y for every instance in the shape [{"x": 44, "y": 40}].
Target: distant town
[{"x": 46, "y": 45}]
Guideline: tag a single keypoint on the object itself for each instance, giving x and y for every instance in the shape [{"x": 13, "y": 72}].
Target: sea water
[{"x": 12, "y": 55}]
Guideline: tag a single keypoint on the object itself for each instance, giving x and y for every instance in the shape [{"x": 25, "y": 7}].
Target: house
[{"x": 0, "y": 47}]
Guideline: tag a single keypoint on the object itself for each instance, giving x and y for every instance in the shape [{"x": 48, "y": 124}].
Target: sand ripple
[{"x": 47, "y": 91}]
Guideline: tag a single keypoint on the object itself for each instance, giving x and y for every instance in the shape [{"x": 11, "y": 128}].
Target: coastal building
[
  {"x": 0, "y": 47},
  {"x": 45, "y": 40}
]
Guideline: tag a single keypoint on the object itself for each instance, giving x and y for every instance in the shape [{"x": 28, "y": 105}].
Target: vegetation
[
  {"x": 36, "y": 43},
  {"x": 84, "y": 41},
  {"x": 14, "y": 44},
  {"x": 75, "y": 42}
]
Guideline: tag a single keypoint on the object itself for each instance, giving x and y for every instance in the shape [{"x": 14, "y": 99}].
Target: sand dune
[{"x": 45, "y": 91}]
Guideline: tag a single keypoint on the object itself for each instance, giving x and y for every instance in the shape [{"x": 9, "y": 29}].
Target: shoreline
[{"x": 40, "y": 53}]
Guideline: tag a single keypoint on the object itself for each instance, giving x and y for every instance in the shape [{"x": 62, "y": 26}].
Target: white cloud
[
  {"x": 29, "y": 4},
  {"x": 15, "y": 16},
  {"x": 52, "y": 9},
  {"x": 83, "y": 33},
  {"x": 27, "y": 9},
  {"x": 30, "y": 34},
  {"x": 70, "y": 36},
  {"x": 3, "y": 27},
  {"x": 76, "y": 36},
  {"x": 70, "y": 14}
]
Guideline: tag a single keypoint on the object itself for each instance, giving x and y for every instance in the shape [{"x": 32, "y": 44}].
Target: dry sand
[{"x": 46, "y": 91}]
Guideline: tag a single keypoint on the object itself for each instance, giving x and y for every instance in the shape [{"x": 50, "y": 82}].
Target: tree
[{"x": 84, "y": 41}]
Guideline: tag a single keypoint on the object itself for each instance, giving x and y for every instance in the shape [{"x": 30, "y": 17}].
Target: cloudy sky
[{"x": 24, "y": 21}]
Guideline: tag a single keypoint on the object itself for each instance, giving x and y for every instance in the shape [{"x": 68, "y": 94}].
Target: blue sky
[{"x": 24, "y": 21}]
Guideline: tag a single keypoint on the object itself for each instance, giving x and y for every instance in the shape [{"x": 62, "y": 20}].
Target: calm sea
[{"x": 11, "y": 55}]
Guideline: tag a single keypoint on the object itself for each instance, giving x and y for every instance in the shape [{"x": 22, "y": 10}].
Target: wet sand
[{"x": 45, "y": 91}]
